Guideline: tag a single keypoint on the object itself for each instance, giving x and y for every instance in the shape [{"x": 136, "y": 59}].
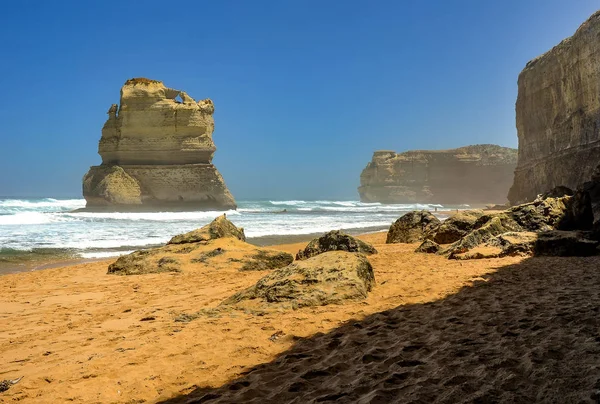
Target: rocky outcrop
[
  {"x": 554, "y": 243},
  {"x": 412, "y": 227},
  {"x": 558, "y": 116},
  {"x": 157, "y": 151},
  {"x": 456, "y": 226},
  {"x": 554, "y": 222},
  {"x": 217, "y": 246},
  {"x": 220, "y": 227},
  {"x": 331, "y": 277},
  {"x": 428, "y": 247},
  {"x": 471, "y": 174},
  {"x": 335, "y": 240}
]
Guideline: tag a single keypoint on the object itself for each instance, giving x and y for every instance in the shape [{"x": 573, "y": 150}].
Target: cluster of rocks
[
  {"x": 559, "y": 223},
  {"x": 331, "y": 269}
]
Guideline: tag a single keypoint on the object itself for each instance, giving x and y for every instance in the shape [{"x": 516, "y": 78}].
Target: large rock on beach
[
  {"x": 456, "y": 226},
  {"x": 331, "y": 277},
  {"x": 540, "y": 216},
  {"x": 219, "y": 245},
  {"x": 428, "y": 247},
  {"x": 558, "y": 116},
  {"x": 157, "y": 151},
  {"x": 556, "y": 243},
  {"x": 413, "y": 227},
  {"x": 218, "y": 228},
  {"x": 144, "y": 262},
  {"x": 472, "y": 174},
  {"x": 335, "y": 241}
]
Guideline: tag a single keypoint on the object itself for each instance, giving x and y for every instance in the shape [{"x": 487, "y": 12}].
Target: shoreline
[{"x": 30, "y": 265}]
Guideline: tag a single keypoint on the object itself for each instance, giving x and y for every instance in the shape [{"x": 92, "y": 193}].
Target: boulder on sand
[
  {"x": 557, "y": 243},
  {"x": 335, "y": 241},
  {"x": 267, "y": 259},
  {"x": 533, "y": 229},
  {"x": 142, "y": 262},
  {"x": 413, "y": 227},
  {"x": 456, "y": 226},
  {"x": 218, "y": 228},
  {"x": 428, "y": 247},
  {"x": 327, "y": 278}
]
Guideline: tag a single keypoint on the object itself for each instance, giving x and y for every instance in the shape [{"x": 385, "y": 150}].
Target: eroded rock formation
[
  {"x": 558, "y": 116},
  {"x": 156, "y": 150},
  {"x": 471, "y": 174},
  {"x": 219, "y": 246}
]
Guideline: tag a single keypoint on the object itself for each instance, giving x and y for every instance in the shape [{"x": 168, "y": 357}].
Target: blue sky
[{"x": 304, "y": 91}]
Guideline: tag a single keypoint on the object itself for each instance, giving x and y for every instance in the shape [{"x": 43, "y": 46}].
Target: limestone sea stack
[
  {"x": 558, "y": 116},
  {"x": 478, "y": 174},
  {"x": 157, "y": 151}
]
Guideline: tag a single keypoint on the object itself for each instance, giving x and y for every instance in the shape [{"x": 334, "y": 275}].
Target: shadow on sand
[{"x": 529, "y": 333}]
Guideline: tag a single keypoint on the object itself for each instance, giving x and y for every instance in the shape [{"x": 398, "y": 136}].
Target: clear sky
[{"x": 304, "y": 91}]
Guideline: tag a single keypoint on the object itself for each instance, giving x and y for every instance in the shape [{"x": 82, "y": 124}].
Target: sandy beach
[{"x": 432, "y": 330}]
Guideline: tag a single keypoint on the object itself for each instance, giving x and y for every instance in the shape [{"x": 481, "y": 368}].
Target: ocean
[{"x": 45, "y": 228}]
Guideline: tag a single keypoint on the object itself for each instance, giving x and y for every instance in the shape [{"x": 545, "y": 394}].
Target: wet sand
[{"x": 432, "y": 330}]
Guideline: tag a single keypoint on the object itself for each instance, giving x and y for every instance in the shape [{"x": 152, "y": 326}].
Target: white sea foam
[
  {"x": 103, "y": 254},
  {"x": 25, "y": 218},
  {"x": 152, "y": 216},
  {"x": 26, "y": 224}
]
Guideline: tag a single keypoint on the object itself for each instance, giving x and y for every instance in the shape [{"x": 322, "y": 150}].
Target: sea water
[{"x": 47, "y": 227}]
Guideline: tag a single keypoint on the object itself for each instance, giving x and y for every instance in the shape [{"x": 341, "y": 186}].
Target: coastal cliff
[
  {"x": 558, "y": 116},
  {"x": 471, "y": 174},
  {"x": 157, "y": 151}
]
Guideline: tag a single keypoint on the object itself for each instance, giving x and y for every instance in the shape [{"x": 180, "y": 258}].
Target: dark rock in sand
[
  {"x": 327, "y": 278},
  {"x": 485, "y": 228},
  {"x": 428, "y": 247},
  {"x": 558, "y": 243},
  {"x": 456, "y": 226},
  {"x": 412, "y": 227},
  {"x": 335, "y": 241},
  {"x": 561, "y": 213},
  {"x": 218, "y": 228},
  {"x": 140, "y": 262},
  {"x": 267, "y": 259}
]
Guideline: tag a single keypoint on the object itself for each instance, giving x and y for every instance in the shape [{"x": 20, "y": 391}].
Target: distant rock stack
[
  {"x": 156, "y": 150},
  {"x": 478, "y": 174},
  {"x": 558, "y": 116}
]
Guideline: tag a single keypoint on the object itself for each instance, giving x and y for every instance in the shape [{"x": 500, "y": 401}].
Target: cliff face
[
  {"x": 558, "y": 116},
  {"x": 156, "y": 150},
  {"x": 471, "y": 174}
]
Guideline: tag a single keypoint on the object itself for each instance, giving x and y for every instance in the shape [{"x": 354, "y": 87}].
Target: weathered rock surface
[
  {"x": 428, "y": 247},
  {"x": 218, "y": 228},
  {"x": 156, "y": 150},
  {"x": 545, "y": 216},
  {"x": 335, "y": 240},
  {"x": 558, "y": 116},
  {"x": 267, "y": 259},
  {"x": 557, "y": 243},
  {"x": 456, "y": 226},
  {"x": 413, "y": 227},
  {"x": 327, "y": 278},
  {"x": 143, "y": 262},
  {"x": 219, "y": 246},
  {"x": 471, "y": 174}
]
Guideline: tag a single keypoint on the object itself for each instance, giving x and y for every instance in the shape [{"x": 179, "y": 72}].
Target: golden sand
[{"x": 77, "y": 334}]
